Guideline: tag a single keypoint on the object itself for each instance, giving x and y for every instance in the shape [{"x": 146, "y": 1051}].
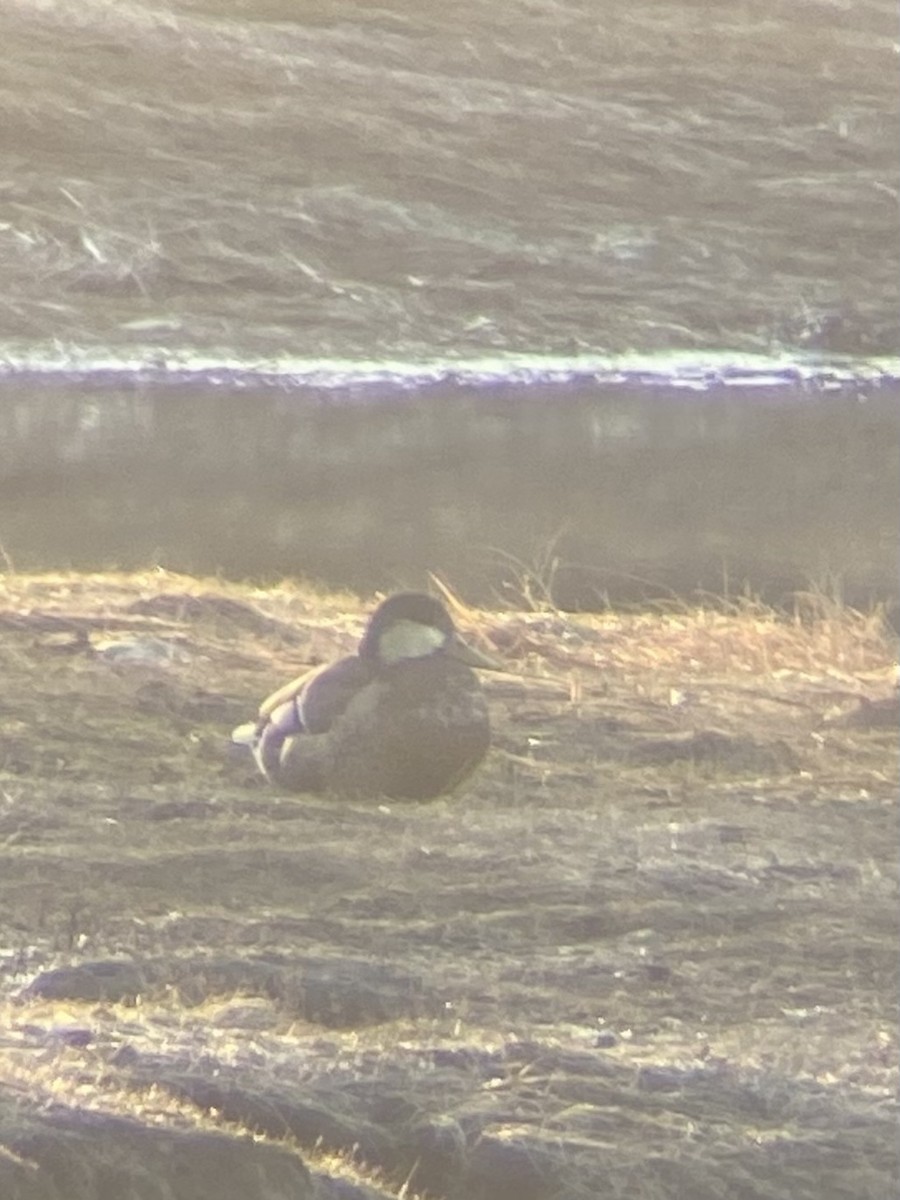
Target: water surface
[
  {"x": 357, "y": 290},
  {"x": 596, "y": 490}
]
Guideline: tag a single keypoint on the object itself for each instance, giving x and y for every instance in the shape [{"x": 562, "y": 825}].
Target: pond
[{"x": 592, "y": 491}]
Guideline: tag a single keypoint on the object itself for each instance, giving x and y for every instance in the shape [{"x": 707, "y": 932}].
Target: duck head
[{"x": 412, "y": 625}]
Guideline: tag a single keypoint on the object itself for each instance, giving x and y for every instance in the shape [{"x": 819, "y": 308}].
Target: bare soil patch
[{"x": 649, "y": 951}]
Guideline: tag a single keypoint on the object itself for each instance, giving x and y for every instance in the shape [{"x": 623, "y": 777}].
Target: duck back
[{"x": 415, "y": 732}]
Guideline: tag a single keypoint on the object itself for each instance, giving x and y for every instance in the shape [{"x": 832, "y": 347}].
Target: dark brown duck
[{"x": 404, "y": 717}]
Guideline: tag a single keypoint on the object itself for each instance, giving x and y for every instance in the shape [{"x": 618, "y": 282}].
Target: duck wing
[
  {"x": 309, "y": 704},
  {"x": 326, "y": 693},
  {"x": 319, "y": 696}
]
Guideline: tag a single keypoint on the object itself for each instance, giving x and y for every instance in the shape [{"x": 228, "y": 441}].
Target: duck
[{"x": 405, "y": 717}]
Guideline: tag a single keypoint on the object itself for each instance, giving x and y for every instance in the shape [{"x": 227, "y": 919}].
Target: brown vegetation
[
  {"x": 650, "y": 951},
  {"x": 343, "y": 179}
]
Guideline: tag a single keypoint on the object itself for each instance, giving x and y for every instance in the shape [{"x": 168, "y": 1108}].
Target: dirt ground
[{"x": 650, "y": 950}]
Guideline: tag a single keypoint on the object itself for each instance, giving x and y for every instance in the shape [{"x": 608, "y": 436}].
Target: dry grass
[
  {"x": 351, "y": 183},
  {"x": 656, "y": 936}
]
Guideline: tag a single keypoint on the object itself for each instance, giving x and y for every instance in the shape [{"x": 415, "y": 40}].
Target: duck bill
[{"x": 467, "y": 654}]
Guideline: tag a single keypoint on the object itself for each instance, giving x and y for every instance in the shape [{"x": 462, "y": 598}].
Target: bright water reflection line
[{"x": 687, "y": 370}]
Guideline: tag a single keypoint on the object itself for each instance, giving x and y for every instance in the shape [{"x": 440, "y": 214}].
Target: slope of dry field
[{"x": 650, "y": 951}]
